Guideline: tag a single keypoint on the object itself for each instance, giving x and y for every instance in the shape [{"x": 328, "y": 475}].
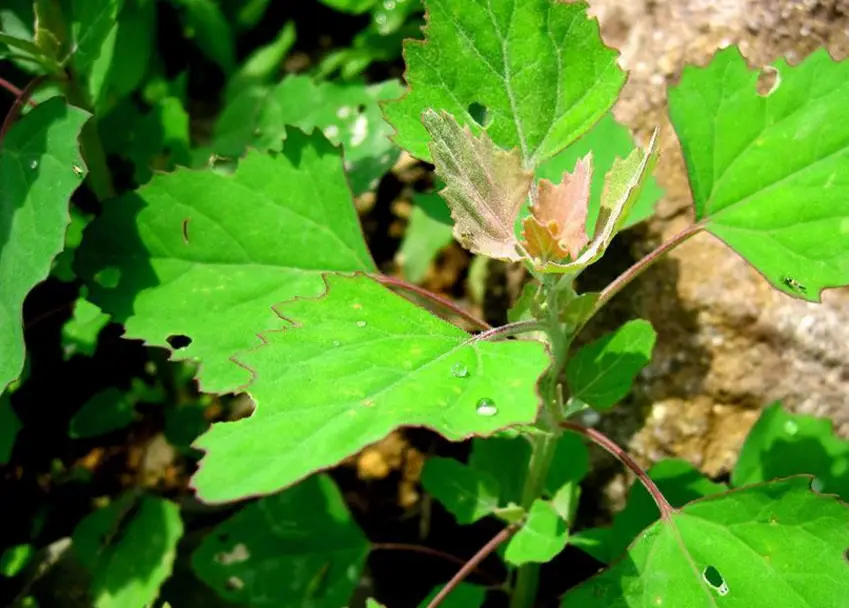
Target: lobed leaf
[
  {"x": 40, "y": 167},
  {"x": 359, "y": 363},
  {"x": 300, "y": 547},
  {"x": 770, "y": 173},
  {"x": 538, "y": 67},
  {"x": 485, "y": 186},
  {"x": 205, "y": 256},
  {"x": 774, "y": 544}
]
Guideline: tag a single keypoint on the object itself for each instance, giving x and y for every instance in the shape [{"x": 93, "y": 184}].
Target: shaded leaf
[
  {"x": 182, "y": 256},
  {"x": 485, "y": 186},
  {"x": 601, "y": 373},
  {"x": 678, "y": 480},
  {"x": 9, "y": 427},
  {"x": 783, "y": 444},
  {"x": 541, "y": 72},
  {"x": 463, "y": 595},
  {"x": 423, "y": 239},
  {"x": 262, "y": 65},
  {"x": 106, "y": 411},
  {"x": 129, "y": 548},
  {"x": 541, "y": 537},
  {"x": 775, "y": 544},
  {"x": 90, "y": 22},
  {"x": 79, "y": 333},
  {"x": 299, "y": 547},
  {"x": 212, "y": 32},
  {"x": 770, "y": 174},
  {"x": 468, "y": 494},
  {"x": 375, "y": 362},
  {"x": 40, "y": 166}
]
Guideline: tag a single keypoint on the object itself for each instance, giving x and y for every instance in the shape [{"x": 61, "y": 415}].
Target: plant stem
[
  {"x": 470, "y": 565},
  {"x": 18, "y": 93},
  {"x": 637, "y": 269},
  {"x": 435, "y": 553},
  {"x": 429, "y": 295},
  {"x": 20, "y": 100},
  {"x": 511, "y": 329},
  {"x": 610, "y": 446}
]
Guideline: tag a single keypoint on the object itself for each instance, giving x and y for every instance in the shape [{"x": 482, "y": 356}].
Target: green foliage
[
  {"x": 205, "y": 22},
  {"x": 775, "y": 544},
  {"x": 464, "y": 596},
  {"x": 106, "y": 411},
  {"x": 785, "y": 213},
  {"x": 9, "y": 427},
  {"x": 79, "y": 334},
  {"x": 542, "y": 536},
  {"x": 601, "y": 374},
  {"x": 424, "y": 238},
  {"x": 40, "y": 166},
  {"x": 541, "y": 74},
  {"x": 187, "y": 235},
  {"x": 15, "y": 559},
  {"x": 468, "y": 494},
  {"x": 299, "y": 547},
  {"x": 129, "y": 548},
  {"x": 370, "y": 356}
]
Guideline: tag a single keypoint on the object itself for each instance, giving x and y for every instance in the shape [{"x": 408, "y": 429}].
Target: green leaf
[
  {"x": 263, "y": 64},
  {"x": 15, "y": 559},
  {"x": 540, "y": 539},
  {"x": 129, "y": 547},
  {"x": 348, "y": 114},
  {"x": 355, "y": 7},
  {"x": 372, "y": 603},
  {"x": 423, "y": 239},
  {"x": 39, "y": 162},
  {"x": 601, "y": 373},
  {"x": 607, "y": 140},
  {"x": 468, "y": 494},
  {"x": 783, "y": 444},
  {"x": 463, "y": 595},
  {"x": 485, "y": 186},
  {"x": 542, "y": 74},
  {"x": 9, "y": 427},
  {"x": 775, "y": 544},
  {"x": 678, "y": 480},
  {"x": 769, "y": 173},
  {"x": 212, "y": 32},
  {"x": 91, "y": 22},
  {"x": 185, "y": 258},
  {"x": 299, "y": 547},
  {"x": 107, "y": 411},
  {"x": 79, "y": 333},
  {"x": 375, "y": 362}
]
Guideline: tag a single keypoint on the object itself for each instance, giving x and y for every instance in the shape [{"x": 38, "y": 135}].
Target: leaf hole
[
  {"x": 178, "y": 341},
  {"x": 713, "y": 578},
  {"x": 768, "y": 81},
  {"x": 479, "y": 114}
]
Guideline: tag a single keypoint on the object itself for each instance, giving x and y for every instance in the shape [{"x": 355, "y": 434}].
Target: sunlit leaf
[
  {"x": 541, "y": 537},
  {"x": 467, "y": 493}
]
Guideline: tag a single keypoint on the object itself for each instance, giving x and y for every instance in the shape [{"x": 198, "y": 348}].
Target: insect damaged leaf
[
  {"x": 556, "y": 228},
  {"x": 486, "y": 186}
]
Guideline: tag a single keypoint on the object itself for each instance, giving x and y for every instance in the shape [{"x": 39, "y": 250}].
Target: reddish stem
[
  {"x": 20, "y": 100},
  {"x": 470, "y": 565},
  {"x": 511, "y": 329},
  {"x": 429, "y": 295},
  {"x": 610, "y": 446},
  {"x": 14, "y": 90},
  {"x": 435, "y": 553}
]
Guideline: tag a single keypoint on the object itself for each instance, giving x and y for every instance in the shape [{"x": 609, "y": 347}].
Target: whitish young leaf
[
  {"x": 607, "y": 141},
  {"x": 485, "y": 186},
  {"x": 774, "y": 544},
  {"x": 348, "y": 114},
  {"x": 770, "y": 173},
  {"x": 183, "y": 258},
  {"x": 601, "y": 373},
  {"x": 299, "y": 547},
  {"x": 782, "y": 444},
  {"x": 375, "y": 362},
  {"x": 542, "y": 74},
  {"x": 467, "y": 493},
  {"x": 40, "y": 167},
  {"x": 678, "y": 480},
  {"x": 463, "y": 595},
  {"x": 541, "y": 537},
  {"x": 129, "y": 548}
]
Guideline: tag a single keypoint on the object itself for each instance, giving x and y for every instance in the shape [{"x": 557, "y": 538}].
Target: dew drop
[
  {"x": 33, "y": 164},
  {"x": 361, "y": 323},
  {"x": 791, "y": 428},
  {"x": 336, "y": 343},
  {"x": 817, "y": 485},
  {"x": 486, "y": 407},
  {"x": 458, "y": 370},
  {"x": 389, "y": 5}
]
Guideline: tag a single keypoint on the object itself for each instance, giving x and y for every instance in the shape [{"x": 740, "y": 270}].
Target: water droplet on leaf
[
  {"x": 361, "y": 323},
  {"x": 336, "y": 343},
  {"x": 458, "y": 370},
  {"x": 817, "y": 485},
  {"x": 33, "y": 164},
  {"x": 790, "y": 427},
  {"x": 486, "y": 407}
]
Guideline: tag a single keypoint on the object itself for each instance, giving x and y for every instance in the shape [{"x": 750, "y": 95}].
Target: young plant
[{"x": 263, "y": 277}]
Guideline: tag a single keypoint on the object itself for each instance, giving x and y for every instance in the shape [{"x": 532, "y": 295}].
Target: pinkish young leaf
[
  {"x": 565, "y": 204},
  {"x": 540, "y": 241},
  {"x": 485, "y": 186}
]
